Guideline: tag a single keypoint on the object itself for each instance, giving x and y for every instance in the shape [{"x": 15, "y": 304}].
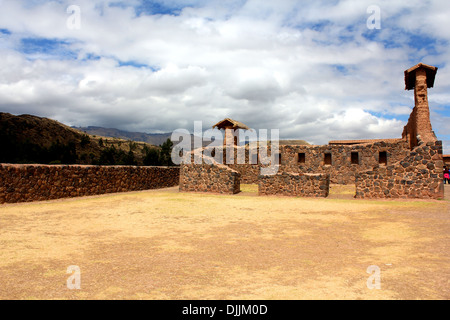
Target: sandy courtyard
[{"x": 163, "y": 244}]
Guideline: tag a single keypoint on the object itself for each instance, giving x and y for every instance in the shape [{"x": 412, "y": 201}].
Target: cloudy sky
[{"x": 316, "y": 70}]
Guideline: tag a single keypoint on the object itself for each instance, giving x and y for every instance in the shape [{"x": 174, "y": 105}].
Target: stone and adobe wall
[
  {"x": 209, "y": 178},
  {"x": 300, "y": 166},
  {"x": 311, "y": 159},
  {"x": 24, "y": 183},
  {"x": 345, "y": 160},
  {"x": 226, "y": 178},
  {"x": 294, "y": 184},
  {"x": 419, "y": 175}
]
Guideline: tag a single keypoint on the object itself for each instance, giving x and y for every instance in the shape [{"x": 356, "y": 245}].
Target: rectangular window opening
[
  {"x": 382, "y": 157},
  {"x": 355, "y": 158},
  {"x": 327, "y": 158},
  {"x": 301, "y": 158}
]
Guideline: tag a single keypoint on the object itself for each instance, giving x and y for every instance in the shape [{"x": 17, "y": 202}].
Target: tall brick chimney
[{"x": 420, "y": 77}]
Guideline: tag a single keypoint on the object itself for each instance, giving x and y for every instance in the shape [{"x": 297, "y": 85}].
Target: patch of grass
[
  {"x": 253, "y": 188},
  {"x": 342, "y": 189}
]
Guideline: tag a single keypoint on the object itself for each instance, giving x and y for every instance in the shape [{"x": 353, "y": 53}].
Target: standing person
[{"x": 446, "y": 175}]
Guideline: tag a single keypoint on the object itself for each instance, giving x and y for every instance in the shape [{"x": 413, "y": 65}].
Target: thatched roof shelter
[
  {"x": 410, "y": 75},
  {"x": 230, "y": 124}
]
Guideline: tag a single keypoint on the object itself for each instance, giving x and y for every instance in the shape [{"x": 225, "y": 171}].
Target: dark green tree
[
  {"x": 151, "y": 157},
  {"x": 108, "y": 156},
  {"x": 85, "y": 140},
  {"x": 129, "y": 159},
  {"x": 166, "y": 153}
]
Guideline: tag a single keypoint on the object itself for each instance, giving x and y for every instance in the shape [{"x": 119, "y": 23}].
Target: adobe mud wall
[
  {"x": 420, "y": 77},
  {"x": 24, "y": 183},
  {"x": 419, "y": 175}
]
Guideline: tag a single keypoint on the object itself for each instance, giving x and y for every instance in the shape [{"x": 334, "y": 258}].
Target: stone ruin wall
[
  {"x": 219, "y": 178},
  {"x": 209, "y": 178},
  {"x": 341, "y": 170},
  {"x": 408, "y": 173},
  {"x": 294, "y": 184},
  {"x": 419, "y": 175},
  {"x": 25, "y": 183}
]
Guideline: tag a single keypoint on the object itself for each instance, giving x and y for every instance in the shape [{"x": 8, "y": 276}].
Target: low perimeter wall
[
  {"x": 209, "y": 178},
  {"x": 24, "y": 183},
  {"x": 295, "y": 184}
]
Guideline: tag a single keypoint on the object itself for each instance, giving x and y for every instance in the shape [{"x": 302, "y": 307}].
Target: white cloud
[{"x": 311, "y": 69}]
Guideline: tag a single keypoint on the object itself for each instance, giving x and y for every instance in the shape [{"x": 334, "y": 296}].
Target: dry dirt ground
[{"x": 163, "y": 244}]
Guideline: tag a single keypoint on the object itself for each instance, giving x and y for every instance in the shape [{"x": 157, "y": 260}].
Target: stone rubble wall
[
  {"x": 209, "y": 178},
  {"x": 408, "y": 173},
  {"x": 294, "y": 184},
  {"x": 341, "y": 170},
  {"x": 25, "y": 183},
  {"x": 419, "y": 175}
]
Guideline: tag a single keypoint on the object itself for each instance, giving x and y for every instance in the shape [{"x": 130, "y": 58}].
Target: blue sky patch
[
  {"x": 156, "y": 7},
  {"x": 5, "y": 31},
  {"x": 340, "y": 68},
  {"x": 390, "y": 116},
  {"x": 136, "y": 65},
  {"x": 50, "y": 47},
  {"x": 92, "y": 57}
]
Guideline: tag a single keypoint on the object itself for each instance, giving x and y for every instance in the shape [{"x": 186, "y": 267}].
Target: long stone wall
[
  {"x": 294, "y": 184},
  {"x": 341, "y": 169},
  {"x": 401, "y": 173},
  {"x": 419, "y": 175},
  {"x": 24, "y": 183},
  {"x": 209, "y": 178}
]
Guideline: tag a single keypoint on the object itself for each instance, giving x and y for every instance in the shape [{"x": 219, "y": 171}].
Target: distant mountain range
[{"x": 150, "y": 138}]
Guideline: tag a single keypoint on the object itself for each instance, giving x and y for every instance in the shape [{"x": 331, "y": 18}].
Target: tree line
[
  {"x": 151, "y": 156},
  {"x": 13, "y": 150}
]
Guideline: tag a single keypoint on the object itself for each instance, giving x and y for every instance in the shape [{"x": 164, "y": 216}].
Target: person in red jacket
[{"x": 446, "y": 175}]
